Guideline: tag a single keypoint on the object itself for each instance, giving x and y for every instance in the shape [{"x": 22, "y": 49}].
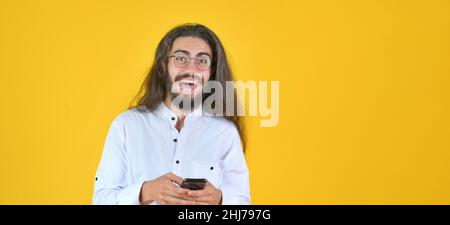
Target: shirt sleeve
[
  {"x": 235, "y": 186},
  {"x": 111, "y": 186}
]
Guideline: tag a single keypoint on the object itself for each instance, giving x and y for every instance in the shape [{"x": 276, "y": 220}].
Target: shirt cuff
[
  {"x": 130, "y": 195},
  {"x": 231, "y": 196}
]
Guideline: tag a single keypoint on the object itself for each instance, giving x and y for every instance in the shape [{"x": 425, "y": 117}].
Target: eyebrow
[
  {"x": 188, "y": 53},
  {"x": 203, "y": 53}
]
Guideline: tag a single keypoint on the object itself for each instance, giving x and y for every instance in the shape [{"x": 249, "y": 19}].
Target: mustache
[{"x": 196, "y": 77}]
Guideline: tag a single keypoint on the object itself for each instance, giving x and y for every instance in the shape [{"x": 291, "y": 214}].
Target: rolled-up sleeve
[
  {"x": 111, "y": 186},
  {"x": 235, "y": 186}
]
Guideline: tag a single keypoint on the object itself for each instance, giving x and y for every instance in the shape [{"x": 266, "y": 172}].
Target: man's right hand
[{"x": 163, "y": 191}]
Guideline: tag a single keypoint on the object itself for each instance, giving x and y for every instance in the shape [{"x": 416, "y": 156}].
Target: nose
[{"x": 191, "y": 68}]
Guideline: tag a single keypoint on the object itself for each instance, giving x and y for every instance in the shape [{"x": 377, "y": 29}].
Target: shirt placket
[{"x": 177, "y": 159}]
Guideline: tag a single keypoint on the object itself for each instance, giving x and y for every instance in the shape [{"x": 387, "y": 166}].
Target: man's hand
[
  {"x": 164, "y": 191},
  {"x": 210, "y": 195}
]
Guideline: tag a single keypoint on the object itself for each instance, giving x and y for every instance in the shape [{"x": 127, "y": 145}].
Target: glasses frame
[{"x": 189, "y": 61}]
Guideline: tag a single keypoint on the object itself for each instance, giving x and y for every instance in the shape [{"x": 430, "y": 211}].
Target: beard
[{"x": 185, "y": 102}]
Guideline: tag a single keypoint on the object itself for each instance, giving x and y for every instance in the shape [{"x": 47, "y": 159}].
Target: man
[{"x": 163, "y": 138}]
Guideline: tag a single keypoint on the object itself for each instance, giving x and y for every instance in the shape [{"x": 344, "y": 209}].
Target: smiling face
[
  {"x": 192, "y": 39},
  {"x": 189, "y": 67}
]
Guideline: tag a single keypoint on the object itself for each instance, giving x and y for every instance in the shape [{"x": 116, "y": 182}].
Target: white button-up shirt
[{"x": 142, "y": 146}]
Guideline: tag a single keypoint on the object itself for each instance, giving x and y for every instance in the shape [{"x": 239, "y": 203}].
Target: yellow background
[{"x": 364, "y": 94}]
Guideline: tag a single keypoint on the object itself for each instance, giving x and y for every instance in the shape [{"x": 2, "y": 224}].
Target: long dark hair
[{"x": 153, "y": 90}]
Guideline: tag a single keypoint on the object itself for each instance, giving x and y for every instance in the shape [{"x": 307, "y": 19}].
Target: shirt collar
[{"x": 191, "y": 118}]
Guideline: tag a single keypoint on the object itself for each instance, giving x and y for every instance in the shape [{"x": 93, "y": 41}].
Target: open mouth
[{"x": 187, "y": 86}]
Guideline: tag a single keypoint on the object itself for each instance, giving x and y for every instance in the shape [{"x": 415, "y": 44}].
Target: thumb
[{"x": 174, "y": 178}]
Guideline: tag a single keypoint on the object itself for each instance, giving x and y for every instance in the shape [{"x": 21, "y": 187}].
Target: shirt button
[
  {"x": 175, "y": 140},
  {"x": 177, "y": 162}
]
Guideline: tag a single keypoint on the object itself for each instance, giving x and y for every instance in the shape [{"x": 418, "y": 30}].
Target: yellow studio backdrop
[{"x": 364, "y": 94}]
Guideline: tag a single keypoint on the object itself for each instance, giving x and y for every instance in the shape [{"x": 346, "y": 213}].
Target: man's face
[{"x": 187, "y": 78}]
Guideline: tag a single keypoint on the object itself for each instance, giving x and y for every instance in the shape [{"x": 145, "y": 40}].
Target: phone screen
[{"x": 194, "y": 183}]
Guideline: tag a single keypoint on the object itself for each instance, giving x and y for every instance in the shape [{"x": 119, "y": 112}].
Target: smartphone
[{"x": 194, "y": 183}]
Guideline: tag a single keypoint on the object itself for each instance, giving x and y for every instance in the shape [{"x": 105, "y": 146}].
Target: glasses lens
[
  {"x": 203, "y": 62},
  {"x": 181, "y": 60}
]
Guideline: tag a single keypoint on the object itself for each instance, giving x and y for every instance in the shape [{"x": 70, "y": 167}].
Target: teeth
[{"x": 188, "y": 83}]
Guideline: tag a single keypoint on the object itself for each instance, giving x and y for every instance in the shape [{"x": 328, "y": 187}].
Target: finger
[
  {"x": 178, "y": 192},
  {"x": 202, "y": 203},
  {"x": 170, "y": 200},
  {"x": 209, "y": 184},
  {"x": 198, "y": 193},
  {"x": 204, "y": 199},
  {"x": 174, "y": 178}
]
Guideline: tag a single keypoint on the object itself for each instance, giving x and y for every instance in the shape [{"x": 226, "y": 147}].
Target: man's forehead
[{"x": 191, "y": 45}]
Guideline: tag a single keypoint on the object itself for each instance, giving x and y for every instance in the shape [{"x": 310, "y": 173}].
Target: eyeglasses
[{"x": 182, "y": 61}]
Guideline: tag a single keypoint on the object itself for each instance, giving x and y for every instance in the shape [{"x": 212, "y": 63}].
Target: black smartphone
[{"x": 194, "y": 183}]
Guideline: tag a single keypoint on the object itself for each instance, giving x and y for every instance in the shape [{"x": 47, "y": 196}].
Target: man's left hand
[{"x": 210, "y": 195}]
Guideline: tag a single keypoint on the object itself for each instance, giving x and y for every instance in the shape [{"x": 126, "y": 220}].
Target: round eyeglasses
[{"x": 202, "y": 62}]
